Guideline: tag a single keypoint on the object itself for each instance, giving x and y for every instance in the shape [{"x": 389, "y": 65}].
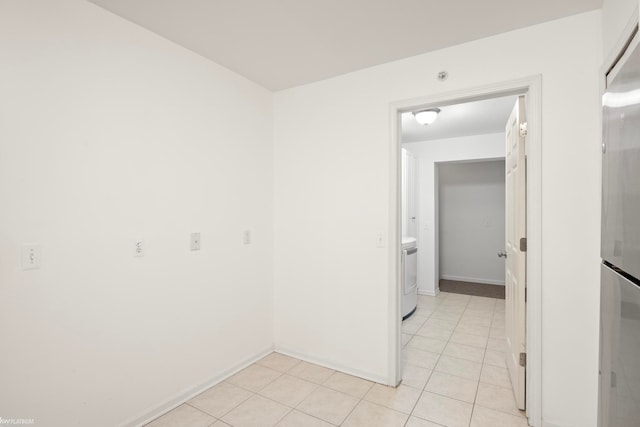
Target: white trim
[
  {"x": 187, "y": 394},
  {"x": 616, "y": 50},
  {"x": 473, "y": 279},
  {"x": 532, "y": 87},
  {"x": 331, "y": 365},
  {"x": 534, "y": 252},
  {"x": 395, "y": 251},
  {"x": 429, "y": 293}
]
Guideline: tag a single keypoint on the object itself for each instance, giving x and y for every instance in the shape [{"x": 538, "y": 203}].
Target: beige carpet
[{"x": 470, "y": 288}]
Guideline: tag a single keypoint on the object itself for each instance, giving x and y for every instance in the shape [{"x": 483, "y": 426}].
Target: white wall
[
  {"x": 332, "y": 192},
  {"x": 109, "y": 133},
  {"x": 429, "y": 154},
  {"x": 471, "y": 221}
]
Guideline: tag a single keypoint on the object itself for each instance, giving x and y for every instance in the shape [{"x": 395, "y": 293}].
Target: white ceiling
[
  {"x": 471, "y": 118},
  {"x": 285, "y": 43}
]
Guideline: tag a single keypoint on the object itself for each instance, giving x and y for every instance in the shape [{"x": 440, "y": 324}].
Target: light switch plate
[
  {"x": 246, "y": 238},
  {"x": 195, "y": 241},
  {"x": 31, "y": 256}
]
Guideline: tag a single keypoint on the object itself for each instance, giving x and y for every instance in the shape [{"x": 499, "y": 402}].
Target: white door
[{"x": 515, "y": 263}]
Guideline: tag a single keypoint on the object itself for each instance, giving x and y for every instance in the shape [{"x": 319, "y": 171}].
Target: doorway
[
  {"x": 470, "y": 226},
  {"x": 530, "y": 88}
]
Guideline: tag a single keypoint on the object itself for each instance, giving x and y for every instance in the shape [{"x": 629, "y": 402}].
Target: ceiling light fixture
[{"x": 426, "y": 117}]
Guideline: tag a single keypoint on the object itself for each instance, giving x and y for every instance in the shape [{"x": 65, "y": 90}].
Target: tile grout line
[
  {"x": 473, "y": 408},
  {"x": 255, "y": 393},
  {"x": 482, "y": 364},
  {"x": 354, "y": 408},
  {"x": 422, "y": 390}
]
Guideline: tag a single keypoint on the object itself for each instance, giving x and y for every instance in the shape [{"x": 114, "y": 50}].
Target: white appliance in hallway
[
  {"x": 409, "y": 250},
  {"x": 409, "y": 276}
]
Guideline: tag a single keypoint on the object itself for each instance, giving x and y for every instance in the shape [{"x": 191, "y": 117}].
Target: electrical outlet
[
  {"x": 195, "y": 241},
  {"x": 31, "y": 256},
  {"x": 138, "y": 248},
  {"x": 247, "y": 237}
]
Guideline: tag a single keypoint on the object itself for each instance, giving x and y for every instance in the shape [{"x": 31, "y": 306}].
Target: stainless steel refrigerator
[{"x": 619, "y": 382}]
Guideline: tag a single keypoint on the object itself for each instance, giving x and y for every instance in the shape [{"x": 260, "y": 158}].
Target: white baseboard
[
  {"x": 548, "y": 424},
  {"x": 474, "y": 280},
  {"x": 191, "y": 392},
  {"x": 381, "y": 379},
  {"x": 429, "y": 293}
]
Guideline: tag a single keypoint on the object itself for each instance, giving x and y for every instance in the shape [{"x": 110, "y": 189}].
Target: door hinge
[
  {"x": 523, "y": 244},
  {"x": 523, "y": 129},
  {"x": 523, "y": 360},
  {"x": 525, "y": 294}
]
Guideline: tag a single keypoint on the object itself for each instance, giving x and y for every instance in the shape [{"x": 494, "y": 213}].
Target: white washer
[{"x": 409, "y": 276}]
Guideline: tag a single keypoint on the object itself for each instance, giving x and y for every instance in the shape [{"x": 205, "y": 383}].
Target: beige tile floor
[{"x": 454, "y": 375}]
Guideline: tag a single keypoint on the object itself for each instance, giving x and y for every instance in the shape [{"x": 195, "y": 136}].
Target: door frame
[{"x": 531, "y": 87}]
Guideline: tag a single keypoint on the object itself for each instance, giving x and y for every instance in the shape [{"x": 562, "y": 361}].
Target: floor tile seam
[
  {"x": 194, "y": 407},
  {"x": 291, "y": 408},
  {"x": 418, "y": 400},
  {"x": 434, "y": 368},
  {"x": 503, "y": 412},
  {"x": 296, "y": 407},
  {"x": 484, "y": 356},
  {"x": 470, "y": 345},
  {"x": 461, "y": 358},
  {"x": 227, "y": 412},
  {"x": 466, "y": 360},
  {"x": 472, "y": 317},
  {"x": 258, "y": 393},
  {"x": 278, "y": 370},
  {"x": 264, "y": 397},
  {"x": 457, "y": 376},
  {"x": 472, "y": 412},
  {"x": 495, "y": 366},
  {"x": 355, "y": 397},
  {"x": 475, "y": 394},
  {"x": 291, "y": 376},
  {"x": 448, "y": 397},
  {"x": 426, "y": 351},
  {"x": 284, "y": 416},
  {"x": 424, "y": 419},
  {"x": 418, "y": 366},
  {"x": 354, "y": 407},
  {"x": 330, "y": 389},
  {"x": 364, "y": 399},
  {"x": 253, "y": 391},
  {"x": 312, "y": 416},
  {"x": 469, "y": 333},
  {"x": 510, "y": 388}
]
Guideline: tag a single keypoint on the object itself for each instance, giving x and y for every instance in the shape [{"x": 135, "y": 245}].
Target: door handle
[{"x": 502, "y": 254}]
